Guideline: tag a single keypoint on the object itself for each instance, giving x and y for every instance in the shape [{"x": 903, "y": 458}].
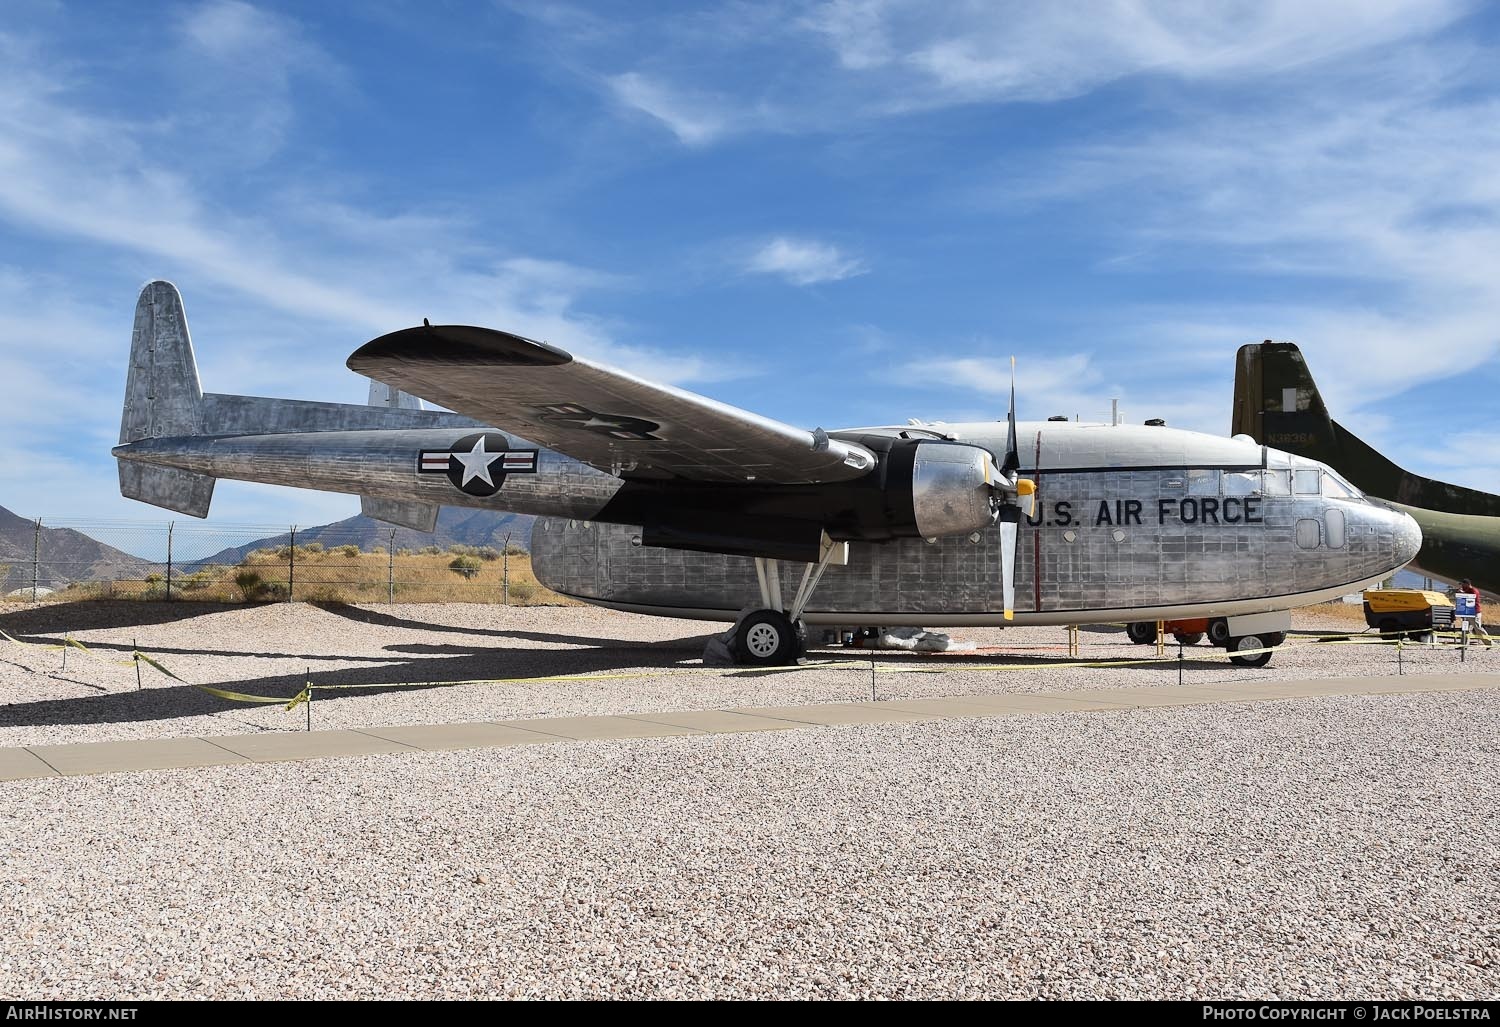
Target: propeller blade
[
  {"x": 1010, "y": 517},
  {"x": 1012, "y": 454}
]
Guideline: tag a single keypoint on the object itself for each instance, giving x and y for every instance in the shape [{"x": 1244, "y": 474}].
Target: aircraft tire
[
  {"x": 1189, "y": 637},
  {"x": 1249, "y": 642},
  {"x": 1141, "y": 632},
  {"x": 1218, "y": 633},
  {"x": 767, "y": 638},
  {"x": 799, "y": 630}
]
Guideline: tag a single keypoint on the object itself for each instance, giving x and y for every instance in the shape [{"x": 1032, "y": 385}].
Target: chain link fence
[{"x": 57, "y": 559}]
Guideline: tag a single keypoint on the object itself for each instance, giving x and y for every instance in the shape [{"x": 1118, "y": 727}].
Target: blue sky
[{"x": 830, "y": 213}]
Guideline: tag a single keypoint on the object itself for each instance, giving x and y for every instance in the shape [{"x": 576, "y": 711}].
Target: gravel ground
[
  {"x": 274, "y": 649},
  {"x": 1340, "y": 847}
]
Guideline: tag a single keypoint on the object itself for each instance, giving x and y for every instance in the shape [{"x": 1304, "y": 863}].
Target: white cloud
[
  {"x": 239, "y": 65},
  {"x": 975, "y": 50},
  {"x": 67, "y": 171},
  {"x": 1069, "y": 385},
  {"x": 695, "y": 122},
  {"x": 815, "y": 66},
  {"x": 804, "y": 261},
  {"x": 1387, "y": 204}
]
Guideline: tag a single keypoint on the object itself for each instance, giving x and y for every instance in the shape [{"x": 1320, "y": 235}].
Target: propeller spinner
[{"x": 1016, "y": 495}]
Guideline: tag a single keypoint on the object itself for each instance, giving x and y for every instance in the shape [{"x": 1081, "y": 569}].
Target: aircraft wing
[{"x": 619, "y": 423}]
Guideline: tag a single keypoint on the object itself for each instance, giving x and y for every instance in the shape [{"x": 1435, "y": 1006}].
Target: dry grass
[
  {"x": 1353, "y": 612},
  {"x": 338, "y": 576}
]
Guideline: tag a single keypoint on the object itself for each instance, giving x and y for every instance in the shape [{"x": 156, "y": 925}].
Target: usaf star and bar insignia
[
  {"x": 616, "y": 426},
  {"x": 477, "y": 464}
]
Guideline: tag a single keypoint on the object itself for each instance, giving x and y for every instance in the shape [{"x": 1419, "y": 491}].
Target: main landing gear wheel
[
  {"x": 1249, "y": 643},
  {"x": 1218, "y": 632},
  {"x": 1189, "y": 638},
  {"x": 1141, "y": 632},
  {"x": 768, "y": 638}
]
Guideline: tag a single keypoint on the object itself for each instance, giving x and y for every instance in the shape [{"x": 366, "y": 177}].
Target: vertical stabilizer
[
  {"x": 163, "y": 399},
  {"x": 392, "y": 398},
  {"x": 1277, "y": 403}
]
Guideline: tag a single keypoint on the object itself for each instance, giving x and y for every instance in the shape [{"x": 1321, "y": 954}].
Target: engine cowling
[{"x": 951, "y": 490}]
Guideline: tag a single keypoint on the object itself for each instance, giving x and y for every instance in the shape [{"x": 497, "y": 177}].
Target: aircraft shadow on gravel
[{"x": 163, "y": 699}]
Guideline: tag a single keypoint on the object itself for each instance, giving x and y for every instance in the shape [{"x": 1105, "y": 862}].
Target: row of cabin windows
[{"x": 1269, "y": 482}]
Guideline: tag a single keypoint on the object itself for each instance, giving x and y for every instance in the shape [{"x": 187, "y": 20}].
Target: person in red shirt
[{"x": 1478, "y": 623}]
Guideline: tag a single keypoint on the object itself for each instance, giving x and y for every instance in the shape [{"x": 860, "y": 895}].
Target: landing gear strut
[{"x": 772, "y": 636}]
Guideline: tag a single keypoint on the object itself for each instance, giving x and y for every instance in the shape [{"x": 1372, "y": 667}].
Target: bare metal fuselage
[{"x": 1131, "y": 522}]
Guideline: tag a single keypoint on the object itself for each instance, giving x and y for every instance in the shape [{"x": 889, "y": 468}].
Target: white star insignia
[{"x": 477, "y": 463}]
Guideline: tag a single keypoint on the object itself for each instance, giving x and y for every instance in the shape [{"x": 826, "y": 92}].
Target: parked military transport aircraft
[
  {"x": 659, "y": 501},
  {"x": 1277, "y": 402}
]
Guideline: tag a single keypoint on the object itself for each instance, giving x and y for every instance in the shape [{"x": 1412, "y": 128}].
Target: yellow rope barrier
[{"x": 307, "y": 692}]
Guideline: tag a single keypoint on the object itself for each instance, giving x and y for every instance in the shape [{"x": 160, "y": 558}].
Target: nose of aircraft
[{"x": 1406, "y": 536}]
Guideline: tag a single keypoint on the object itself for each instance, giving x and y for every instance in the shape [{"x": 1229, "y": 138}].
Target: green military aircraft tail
[{"x": 1277, "y": 403}]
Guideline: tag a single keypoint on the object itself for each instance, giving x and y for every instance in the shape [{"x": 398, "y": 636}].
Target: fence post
[
  {"x": 390, "y": 568},
  {"x": 505, "y": 571},
  {"x": 170, "y": 526},
  {"x": 36, "y": 560},
  {"x": 291, "y": 565}
]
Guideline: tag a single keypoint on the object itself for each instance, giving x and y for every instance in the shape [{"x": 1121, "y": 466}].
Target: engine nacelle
[
  {"x": 950, "y": 489},
  {"x": 919, "y": 488}
]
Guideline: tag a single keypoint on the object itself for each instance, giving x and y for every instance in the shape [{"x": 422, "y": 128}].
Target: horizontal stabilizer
[
  {"x": 184, "y": 491},
  {"x": 417, "y": 516}
]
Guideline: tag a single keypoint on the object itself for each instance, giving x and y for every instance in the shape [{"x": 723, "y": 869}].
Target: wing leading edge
[{"x": 616, "y": 422}]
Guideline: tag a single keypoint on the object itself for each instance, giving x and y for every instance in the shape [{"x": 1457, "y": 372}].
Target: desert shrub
[
  {"x": 197, "y": 581},
  {"x": 430, "y": 551},
  {"x": 377, "y": 550},
  {"x": 459, "y": 549},
  {"x": 405, "y": 552},
  {"x": 465, "y": 566},
  {"x": 515, "y": 549},
  {"x": 522, "y": 592},
  {"x": 273, "y": 590},
  {"x": 350, "y": 550},
  {"x": 155, "y": 579},
  {"x": 487, "y": 553},
  {"x": 248, "y": 582}
]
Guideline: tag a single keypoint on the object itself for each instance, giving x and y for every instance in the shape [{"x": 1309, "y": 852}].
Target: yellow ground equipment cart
[{"x": 1413, "y": 610}]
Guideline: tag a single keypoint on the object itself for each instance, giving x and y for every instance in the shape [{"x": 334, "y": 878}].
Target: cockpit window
[
  {"x": 1337, "y": 488},
  {"x": 1306, "y": 482}
]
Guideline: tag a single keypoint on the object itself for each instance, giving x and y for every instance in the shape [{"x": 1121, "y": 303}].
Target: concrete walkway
[{"x": 85, "y": 758}]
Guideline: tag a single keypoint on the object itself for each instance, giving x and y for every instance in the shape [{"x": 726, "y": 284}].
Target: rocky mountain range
[
  {"x": 66, "y": 555},
  {"x": 455, "y": 526}
]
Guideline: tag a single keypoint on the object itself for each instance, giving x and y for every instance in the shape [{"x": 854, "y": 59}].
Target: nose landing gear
[{"x": 1245, "y": 635}]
